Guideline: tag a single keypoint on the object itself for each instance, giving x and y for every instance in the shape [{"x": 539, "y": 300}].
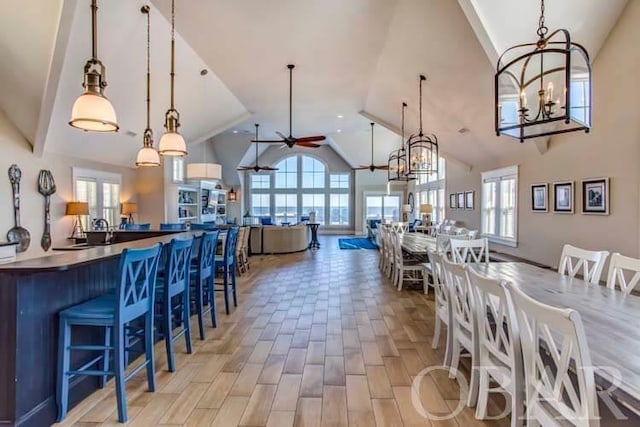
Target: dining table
[
  {"x": 611, "y": 321},
  {"x": 417, "y": 244}
]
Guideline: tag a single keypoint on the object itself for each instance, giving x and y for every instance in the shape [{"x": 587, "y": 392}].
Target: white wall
[{"x": 16, "y": 149}]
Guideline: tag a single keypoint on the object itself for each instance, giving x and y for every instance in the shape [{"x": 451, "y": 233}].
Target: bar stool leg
[
  {"x": 225, "y": 283},
  {"x": 200, "y": 306},
  {"x": 186, "y": 302},
  {"x": 105, "y": 356},
  {"x": 64, "y": 357},
  {"x": 119, "y": 340},
  {"x": 233, "y": 287},
  {"x": 212, "y": 301},
  {"x": 168, "y": 336},
  {"x": 148, "y": 351}
]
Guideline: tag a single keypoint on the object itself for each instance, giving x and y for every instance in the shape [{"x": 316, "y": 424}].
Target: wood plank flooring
[{"x": 318, "y": 339}]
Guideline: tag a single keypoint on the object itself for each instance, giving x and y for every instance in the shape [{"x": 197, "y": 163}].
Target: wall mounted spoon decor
[
  {"x": 17, "y": 233},
  {"x": 46, "y": 187}
]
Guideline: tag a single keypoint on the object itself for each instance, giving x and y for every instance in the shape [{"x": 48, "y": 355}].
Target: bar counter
[{"x": 32, "y": 292}]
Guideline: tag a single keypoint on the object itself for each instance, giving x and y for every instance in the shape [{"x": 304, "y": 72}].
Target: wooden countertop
[{"x": 61, "y": 261}]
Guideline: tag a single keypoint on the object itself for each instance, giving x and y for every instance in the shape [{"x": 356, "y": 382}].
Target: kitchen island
[{"x": 32, "y": 292}]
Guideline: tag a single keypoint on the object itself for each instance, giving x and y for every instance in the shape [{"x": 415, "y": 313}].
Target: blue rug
[{"x": 357, "y": 243}]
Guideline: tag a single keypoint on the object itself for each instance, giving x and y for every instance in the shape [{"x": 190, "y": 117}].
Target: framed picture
[
  {"x": 460, "y": 200},
  {"x": 595, "y": 196},
  {"x": 468, "y": 200},
  {"x": 563, "y": 197},
  {"x": 539, "y": 197},
  {"x": 452, "y": 201}
]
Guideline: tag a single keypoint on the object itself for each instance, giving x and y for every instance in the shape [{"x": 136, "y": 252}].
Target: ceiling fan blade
[
  {"x": 268, "y": 141},
  {"x": 307, "y": 144},
  {"x": 268, "y": 168},
  {"x": 244, "y": 168},
  {"x": 311, "y": 138},
  {"x": 382, "y": 168},
  {"x": 281, "y": 135},
  {"x": 361, "y": 168}
]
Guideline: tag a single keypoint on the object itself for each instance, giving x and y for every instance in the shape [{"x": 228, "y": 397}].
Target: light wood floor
[{"x": 318, "y": 339}]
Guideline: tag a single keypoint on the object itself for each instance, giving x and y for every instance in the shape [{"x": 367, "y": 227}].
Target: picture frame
[
  {"x": 595, "y": 196},
  {"x": 460, "y": 200},
  {"x": 563, "y": 197},
  {"x": 453, "y": 201},
  {"x": 469, "y": 200},
  {"x": 540, "y": 197}
]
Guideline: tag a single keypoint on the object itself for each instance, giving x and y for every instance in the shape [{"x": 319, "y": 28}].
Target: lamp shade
[
  {"x": 172, "y": 144},
  {"x": 147, "y": 156},
  {"x": 406, "y": 208},
  {"x": 92, "y": 112},
  {"x": 426, "y": 209},
  {"x": 204, "y": 171},
  {"x": 128, "y": 208},
  {"x": 77, "y": 208}
]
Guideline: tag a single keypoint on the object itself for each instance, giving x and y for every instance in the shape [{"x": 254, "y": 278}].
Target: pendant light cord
[
  {"x": 404, "y": 106},
  {"x": 422, "y": 78},
  {"x": 257, "y": 144},
  {"x": 290, "y": 100},
  {"x": 372, "y": 125},
  {"x": 146, "y": 11},
  {"x": 94, "y": 30},
  {"x": 542, "y": 28},
  {"x": 173, "y": 47}
]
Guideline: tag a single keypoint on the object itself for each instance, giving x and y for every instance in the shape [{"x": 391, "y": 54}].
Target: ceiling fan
[
  {"x": 372, "y": 167},
  {"x": 290, "y": 141},
  {"x": 256, "y": 168}
]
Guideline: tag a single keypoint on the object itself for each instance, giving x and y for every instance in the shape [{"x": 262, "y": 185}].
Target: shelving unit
[{"x": 188, "y": 204}]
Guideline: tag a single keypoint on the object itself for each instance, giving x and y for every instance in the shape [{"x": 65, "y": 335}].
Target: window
[
  {"x": 101, "y": 190},
  {"x": 260, "y": 205},
  {"x": 339, "y": 209},
  {"x": 382, "y": 206},
  {"x": 286, "y": 208},
  {"x": 431, "y": 190},
  {"x": 287, "y": 173},
  {"x": 339, "y": 180},
  {"x": 499, "y": 208},
  {"x": 260, "y": 181},
  {"x": 313, "y": 173},
  {"x": 178, "y": 169},
  {"x": 314, "y": 202}
]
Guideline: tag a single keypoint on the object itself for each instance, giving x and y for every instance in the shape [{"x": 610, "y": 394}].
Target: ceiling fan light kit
[
  {"x": 92, "y": 111},
  {"x": 543, "y": 88},
  {"x": 422, "y": 150}
]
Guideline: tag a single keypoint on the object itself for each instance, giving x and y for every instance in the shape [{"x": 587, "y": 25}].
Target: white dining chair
[
  {"x": 473, "y": 234},
  {"x": 574, "y": 259},
  {"x": 470, "y": 251},
  {"x": 443, "y": 244},
  {"x": 400, "y": 227},
  {"x": 404, "y": 270},
  {"x": 500, "y": 352},
  {"x": 442, "y": 305},
  {"x": 559, "y": 377},
  {"x": 388, "y": 266},
  {"x": 381, "y": 247},
  {"x": 624, "y": 273},
  {"x": 463, "y": 323}
]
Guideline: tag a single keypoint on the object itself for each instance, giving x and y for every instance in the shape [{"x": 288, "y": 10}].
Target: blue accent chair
[
  {"x": 172, "y": 296},
  {"x": 173, "y": 226},
  {"x": 134, "y": 299},
  {"x": 226, "y": 264},
  {"x": 137, "y": 227},
  {"x": 414, "y": 224},
  {"x": 266, "y": 220},
  {"x": 203, "y": 276},
  {"x": 205, "y": 227}
]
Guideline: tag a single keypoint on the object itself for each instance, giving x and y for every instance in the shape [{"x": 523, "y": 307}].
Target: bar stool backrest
[
  {"x": 173, "y": 226},
  {"x": 177, "y": 267},
  {"x": 230, "y": 245},
  {"x": 207, "y": 254},
  {"x": 135, "y": 290},
  {"x": 137, "y": 227}
]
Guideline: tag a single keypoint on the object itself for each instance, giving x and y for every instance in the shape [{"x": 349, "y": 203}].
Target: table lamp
[
  {"x": 77, "y": 209},
  {"x": 426, "y": 211},
  {"x": 406, "y": 209},
  {"x": 129, "y": 208}
]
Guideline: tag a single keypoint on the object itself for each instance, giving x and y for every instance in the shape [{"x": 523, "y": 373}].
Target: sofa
[{"x": 279, "y": 240}]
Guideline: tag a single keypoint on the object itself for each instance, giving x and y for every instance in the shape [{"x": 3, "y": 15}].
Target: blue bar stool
[
  {"x": 206, "y": 227},
  {"x": 173, "y": 226},
  {"x": 227, "y": 265},
  {"x": 137, "y": 227},
  {"x": 133, "y": 299},
  {"x": 203, "y": 277},
  {"x": 172, "y": 295}
]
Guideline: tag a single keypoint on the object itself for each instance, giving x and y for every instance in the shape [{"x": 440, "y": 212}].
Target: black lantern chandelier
[
  {"x": 554, "y": 75},
  {"x": 422, "y": 150},
  {"x": 398, "y": 169}
]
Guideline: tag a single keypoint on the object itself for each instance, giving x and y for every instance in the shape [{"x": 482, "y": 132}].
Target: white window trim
[
  {"x": 100, "y": 177},
  {"x": 498, "y": 175}
]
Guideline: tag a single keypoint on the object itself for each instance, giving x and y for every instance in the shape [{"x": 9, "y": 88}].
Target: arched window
[{"x": 313, "y": 173}]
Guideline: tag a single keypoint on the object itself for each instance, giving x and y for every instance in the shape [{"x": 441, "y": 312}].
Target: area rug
[{"x": 357, "y": 243}]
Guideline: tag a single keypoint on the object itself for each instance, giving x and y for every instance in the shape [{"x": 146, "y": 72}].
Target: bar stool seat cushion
[{"x": 102, "y": 308}]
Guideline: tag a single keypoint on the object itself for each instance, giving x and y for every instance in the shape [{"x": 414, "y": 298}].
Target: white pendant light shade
[
  {"x": 172, "y": 144},
  {"x": 93, "y": 113},
  {"x": 147, "y": 156},
  {"x": 204, "y": 171}
]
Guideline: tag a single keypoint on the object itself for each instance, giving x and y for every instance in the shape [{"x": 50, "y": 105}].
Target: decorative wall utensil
[
  {"x": 46, "y": 187},
  {"x": 17, "y": 234}
]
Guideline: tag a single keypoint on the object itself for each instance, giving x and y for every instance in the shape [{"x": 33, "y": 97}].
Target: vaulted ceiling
[{"x": 358, "y": 59}]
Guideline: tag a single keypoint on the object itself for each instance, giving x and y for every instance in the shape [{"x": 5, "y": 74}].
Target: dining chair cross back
[
  {"x": 226, "y": 264},
  {"x": 443, "y": 244},
  {"x": 403, "y": 269},
  {"x": 463, "y": 323},
  {"x": 442, "y": 305},
  {"x": 133, "y": 299},
  {"x": 173, "y": 296},
  {"x": 573, "y": 260},
  {"x": 203, "y": 277},
  {"x": 470, "y": 251},
  {"x": 500, "y": 352},
  {"x": 560, "y": 385},
  {"x": 624, "y": 272}
]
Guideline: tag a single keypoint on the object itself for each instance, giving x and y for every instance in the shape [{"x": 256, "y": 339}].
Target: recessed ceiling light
[
  {"x": 235, "y": 131},
  {"x": 340, "y": 116},
  {"x": 204, "y": 72},
  {"x": 339, "y": 130}
]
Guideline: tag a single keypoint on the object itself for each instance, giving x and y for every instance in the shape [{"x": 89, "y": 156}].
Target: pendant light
[
  {"x": 148, "y": 156},
  {"x": 172, "y": 143},
  {"x": 422, "y": 150},
  {"x": 553, "y": 73},
  {"x": 92, "y": 111},
  {"x": 204, "y": 171},
  {"x": 398, "y": 170}
]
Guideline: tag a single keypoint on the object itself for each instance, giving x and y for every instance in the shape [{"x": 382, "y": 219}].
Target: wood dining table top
[
  {"x": 417, "y": 243},
  {"x": 611, "y": 321}
]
